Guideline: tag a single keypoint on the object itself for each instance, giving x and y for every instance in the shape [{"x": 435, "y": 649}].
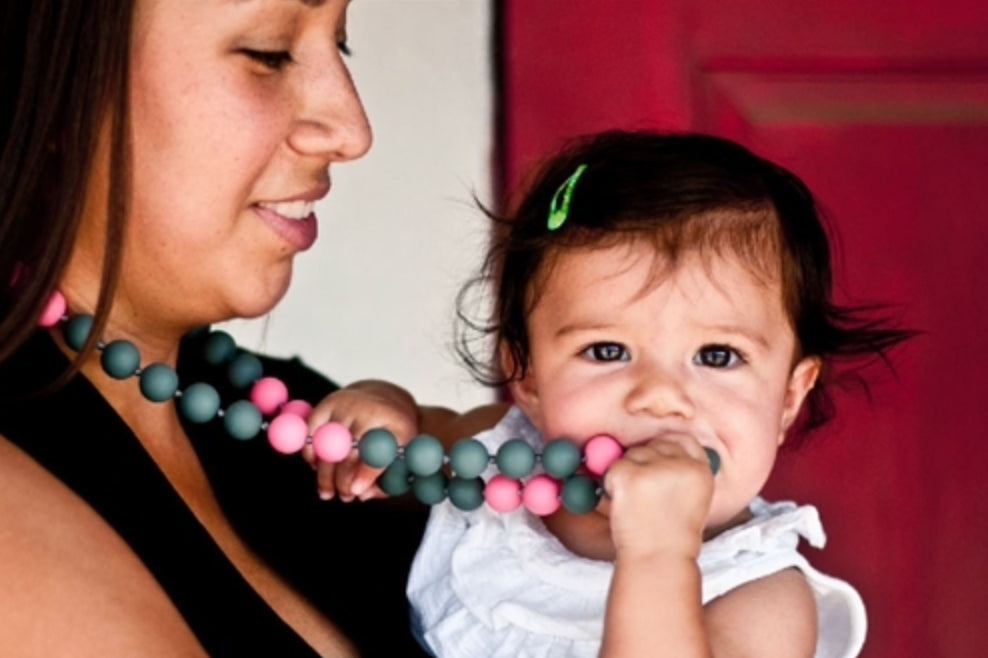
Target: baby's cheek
[{"x": 571, "y": 417}]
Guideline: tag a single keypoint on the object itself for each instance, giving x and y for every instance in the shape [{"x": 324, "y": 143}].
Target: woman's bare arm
[{"x": 69, "y": 586}]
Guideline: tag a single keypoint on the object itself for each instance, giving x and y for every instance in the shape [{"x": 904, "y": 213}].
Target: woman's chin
[
  {"x": 255, "y": 308},
  {"x": 259, "y": 298}
]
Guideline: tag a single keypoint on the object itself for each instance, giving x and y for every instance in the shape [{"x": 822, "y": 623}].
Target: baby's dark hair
[{"x": 684, "y": 192}]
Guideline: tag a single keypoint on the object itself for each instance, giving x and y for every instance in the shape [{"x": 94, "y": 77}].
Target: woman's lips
[{"x": 293, "y": 221}]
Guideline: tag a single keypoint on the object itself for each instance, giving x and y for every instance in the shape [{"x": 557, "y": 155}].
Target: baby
[{"x": 671, "y": 291}]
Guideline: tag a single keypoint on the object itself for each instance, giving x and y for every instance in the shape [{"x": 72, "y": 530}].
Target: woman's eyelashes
[
  {"x": 272, "y": 60},
  {"x": 606, "y": 352},
  {"x": 718, "y": 356},
  {"x": 277, "y": 59}
]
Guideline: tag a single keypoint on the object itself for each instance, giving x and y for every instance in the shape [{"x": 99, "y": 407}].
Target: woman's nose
[
  {"x": 659, "y": 391},
  {"x": 331, "y": 123}
]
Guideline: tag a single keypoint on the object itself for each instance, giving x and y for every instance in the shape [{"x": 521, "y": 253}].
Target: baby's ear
[
  {"x": 524, "y": 391},
  {"x": 801, "y": 382}
]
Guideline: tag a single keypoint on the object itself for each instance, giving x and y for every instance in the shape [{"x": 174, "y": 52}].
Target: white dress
[{"x": 490, "y": 584}]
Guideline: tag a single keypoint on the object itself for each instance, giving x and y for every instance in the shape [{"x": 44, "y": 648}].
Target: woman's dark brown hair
[{"x": 62, "y": 81}]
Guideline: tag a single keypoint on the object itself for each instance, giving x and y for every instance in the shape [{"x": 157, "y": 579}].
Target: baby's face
[{"x": 706, "y": 351}]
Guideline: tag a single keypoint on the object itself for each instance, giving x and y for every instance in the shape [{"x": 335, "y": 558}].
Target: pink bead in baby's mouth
[{"x": 600, "y": 452}]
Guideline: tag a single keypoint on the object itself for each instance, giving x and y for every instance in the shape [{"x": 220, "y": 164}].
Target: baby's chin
[{"x": 718, "y": 523}]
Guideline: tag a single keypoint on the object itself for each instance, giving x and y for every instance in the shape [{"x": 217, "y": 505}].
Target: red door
[{"x": 882, "y": 107}]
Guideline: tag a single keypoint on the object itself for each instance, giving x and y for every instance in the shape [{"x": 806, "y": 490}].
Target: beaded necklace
[{"x": 569, "y": 477}]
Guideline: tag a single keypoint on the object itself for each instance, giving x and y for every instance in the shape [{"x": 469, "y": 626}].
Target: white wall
[{"x": 399, "y": 233}]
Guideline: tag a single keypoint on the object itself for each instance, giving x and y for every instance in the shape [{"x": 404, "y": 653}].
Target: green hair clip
[{"x": 559, "y": 209}]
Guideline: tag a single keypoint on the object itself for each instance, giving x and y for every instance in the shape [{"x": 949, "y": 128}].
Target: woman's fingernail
[{"x": 326, "y": 495}]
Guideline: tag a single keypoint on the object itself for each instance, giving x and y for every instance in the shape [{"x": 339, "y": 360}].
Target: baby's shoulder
[{"x": 772, "y": 615}]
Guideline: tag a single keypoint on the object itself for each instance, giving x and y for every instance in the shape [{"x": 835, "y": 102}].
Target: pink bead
[
  {"x": 332, "y": 442},
  {"x": 269, "y": 394},
  {"x": 541, "y": 495},
  {"x": 287, "y": 433},
  {"x": 297, "y": 407},
  {"x": 601, "y": 451},
  {"x": 53, "y": 311},
  {"x": 502, "y": 493}
]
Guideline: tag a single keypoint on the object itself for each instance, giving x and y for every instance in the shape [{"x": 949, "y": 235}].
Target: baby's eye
[
  {"x": 717, "y": 356},
  {"x": 607, "y": 352},
  {"x": 273, "y": 60}
]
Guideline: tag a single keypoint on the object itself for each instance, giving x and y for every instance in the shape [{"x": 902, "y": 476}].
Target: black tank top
[{"x": 351, "y": 560}]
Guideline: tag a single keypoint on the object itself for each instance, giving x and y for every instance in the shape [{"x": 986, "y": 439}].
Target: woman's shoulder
[{"x": 62, "y": 567}]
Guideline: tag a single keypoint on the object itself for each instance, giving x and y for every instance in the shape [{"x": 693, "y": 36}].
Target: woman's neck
[{"x": 152, "y": 422}]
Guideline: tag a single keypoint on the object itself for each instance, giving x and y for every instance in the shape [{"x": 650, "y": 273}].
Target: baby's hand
[
  {"x": 660, "y": 497},
  {"x": 361, "y": 406}
]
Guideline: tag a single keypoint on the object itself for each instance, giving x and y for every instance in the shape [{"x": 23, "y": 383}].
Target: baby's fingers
[
  {"x": 349, "y": 479},
  {"x": 348, "y": 467},
  {"x": 362, "y": 484}
]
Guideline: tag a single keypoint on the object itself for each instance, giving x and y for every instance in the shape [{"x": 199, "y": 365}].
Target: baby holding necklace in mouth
[{"x": 672, "y": 291}]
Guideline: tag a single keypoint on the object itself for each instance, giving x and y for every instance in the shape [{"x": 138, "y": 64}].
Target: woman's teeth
[{"x": 290, "y": 209}]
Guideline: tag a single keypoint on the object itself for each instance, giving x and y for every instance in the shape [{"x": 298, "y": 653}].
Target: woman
[{"x": 160, "y": 161}]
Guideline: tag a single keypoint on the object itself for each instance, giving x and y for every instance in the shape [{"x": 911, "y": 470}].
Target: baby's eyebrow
[
  {"x": 576, "y": 327},
  {"x": 754, "y": 336}
]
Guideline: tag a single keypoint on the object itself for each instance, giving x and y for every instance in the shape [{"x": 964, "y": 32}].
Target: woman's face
[{"x": 237, "y": 109}]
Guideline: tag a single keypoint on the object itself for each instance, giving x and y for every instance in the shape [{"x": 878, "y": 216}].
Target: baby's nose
[{"x": 659, "y": 391}]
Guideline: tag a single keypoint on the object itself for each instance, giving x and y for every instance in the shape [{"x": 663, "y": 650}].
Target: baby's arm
[
  {"x": 660, "y": 494},
  {"x": 654, "y": 606}
]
